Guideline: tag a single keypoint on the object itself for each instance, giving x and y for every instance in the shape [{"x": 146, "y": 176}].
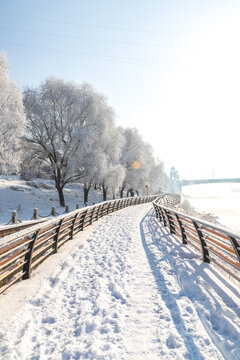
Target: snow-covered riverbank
[
  {"x": 123, "y": 289},
  {"x": 223, "y": 200}
]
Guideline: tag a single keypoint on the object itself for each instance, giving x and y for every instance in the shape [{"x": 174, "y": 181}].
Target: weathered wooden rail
[
  {"x": 22, "y": 252},
  {"x": 216, "y": 244}
]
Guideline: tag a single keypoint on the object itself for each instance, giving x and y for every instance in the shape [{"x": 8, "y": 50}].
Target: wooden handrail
[
  {"x": 33, "y": 245},
  {"x": 217, "y": 244}
]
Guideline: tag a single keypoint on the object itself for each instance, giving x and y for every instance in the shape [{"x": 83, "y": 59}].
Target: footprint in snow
[{"x": 49, "y": 320}]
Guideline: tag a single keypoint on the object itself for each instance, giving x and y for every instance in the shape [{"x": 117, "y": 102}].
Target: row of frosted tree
[{"x": 66, "y": 132}]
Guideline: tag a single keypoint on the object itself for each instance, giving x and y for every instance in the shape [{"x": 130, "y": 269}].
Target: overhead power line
[
  {"x": 92, "y": 55},
  {"x": 94, "y": 39},
  {"x": 103, "y": 26}
]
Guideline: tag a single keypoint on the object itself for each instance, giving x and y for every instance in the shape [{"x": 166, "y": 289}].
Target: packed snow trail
[{"x": 127, "y": 290}]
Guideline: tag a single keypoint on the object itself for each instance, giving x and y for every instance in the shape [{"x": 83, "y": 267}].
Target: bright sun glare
[{"x": 136, "y": 165}]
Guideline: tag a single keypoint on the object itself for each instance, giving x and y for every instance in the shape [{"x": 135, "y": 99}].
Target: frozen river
[{"x": 222, "y": 200}]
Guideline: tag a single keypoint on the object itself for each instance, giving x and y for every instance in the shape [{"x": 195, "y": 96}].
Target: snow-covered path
[{"x": 123, "y": 289}]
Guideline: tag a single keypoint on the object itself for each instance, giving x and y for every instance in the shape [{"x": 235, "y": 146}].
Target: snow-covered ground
[
  {"x": 122, "y": 289},
  {"x": 24, "y": 196}
]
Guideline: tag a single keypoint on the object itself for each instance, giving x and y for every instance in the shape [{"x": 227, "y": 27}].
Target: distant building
[{"x": 175, "y": 187}]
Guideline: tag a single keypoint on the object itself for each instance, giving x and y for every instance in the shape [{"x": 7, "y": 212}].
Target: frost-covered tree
[
  {"x": 12, "y": 120},
  {"x": 142, "y": 171},
  {"x": 132, "y": 159},
  {"x": 90, "y": 155},
  {"x": 68, "y": 130},
  {"x": 156, "y": 176},
  {"x": 112, "y": 178},
  {"x": 61, "y": 118},
  {"x": 110, "y": 171},
  {"x": 159, "y": 179},
  {"x": 115, "y": 178},
  {"x": 102, "y": 148},
  {"x": 90, "y": 159}
]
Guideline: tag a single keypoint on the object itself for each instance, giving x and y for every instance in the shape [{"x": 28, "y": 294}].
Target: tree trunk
[
  {"x": 114, "y": 195},
  {"x": 59, "y": 187},
  {"x": 121, "y": 192},
  {"x": 130, "y": 192},
  {"x": 104, "y": 193},
  {"x": 86, "y": 191},
  {"x": 61, "y": 196}
]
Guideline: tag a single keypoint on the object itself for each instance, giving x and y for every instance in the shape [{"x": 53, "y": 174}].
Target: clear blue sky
[{"x": 169, "y": 68}]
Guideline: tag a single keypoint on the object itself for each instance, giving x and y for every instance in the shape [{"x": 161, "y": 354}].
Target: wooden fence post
[
  {"x": 108, "y": 208},
  {"x": 14, "y": 217},
  {"x": 236, "y": 246},
  {"x": 91, "y": 218},
  {"x": 163, "y": 217},
  {"x": 184, "y": 237},
  {"x": 205, "y": 252},
  {"x": 56, "y": 238},
  {"x": 83, "y": 219},
  {"x": 28, "y": 257},
  {"x": 35, "y": 214},
  {"x": 98, "y": 209},
  {"x": 170, "y": 222},
  {"x": 73, "y": 224}
]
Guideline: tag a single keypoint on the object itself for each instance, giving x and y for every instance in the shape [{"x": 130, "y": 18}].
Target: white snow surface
[
  {"x": 24, "y": 196},
  {"x": 122, "y": 289}
]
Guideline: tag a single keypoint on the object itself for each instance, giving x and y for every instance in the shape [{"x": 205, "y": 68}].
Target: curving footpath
[{"x": 126, "y": 290}]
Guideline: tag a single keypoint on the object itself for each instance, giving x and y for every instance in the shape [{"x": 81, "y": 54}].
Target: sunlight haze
[{"x": 168, "y": 68}]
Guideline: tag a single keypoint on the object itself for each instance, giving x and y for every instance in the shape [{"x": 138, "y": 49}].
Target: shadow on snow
[{"x": 195, "y": 281}]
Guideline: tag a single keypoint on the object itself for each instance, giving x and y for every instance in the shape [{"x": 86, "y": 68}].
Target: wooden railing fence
[
  {"x": 23, "y": 251},
  {"x": 216, "y": 244}
]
